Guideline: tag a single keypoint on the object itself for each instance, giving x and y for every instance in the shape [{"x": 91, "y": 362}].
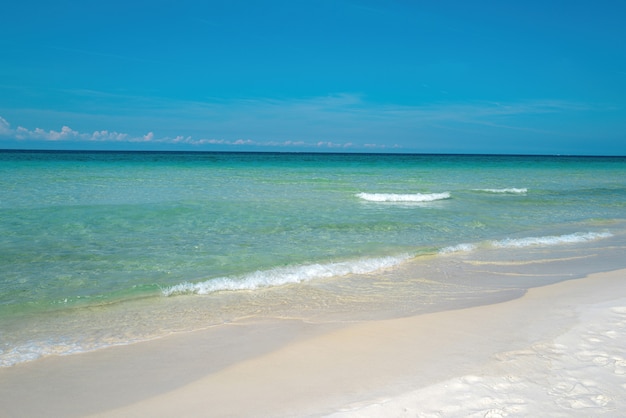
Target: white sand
[
  {"x": 558, "y": 351},
  {"x": 579, "y": 373}
]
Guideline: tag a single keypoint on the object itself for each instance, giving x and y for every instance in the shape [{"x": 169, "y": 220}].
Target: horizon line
[{"x": 476, "y": 154}]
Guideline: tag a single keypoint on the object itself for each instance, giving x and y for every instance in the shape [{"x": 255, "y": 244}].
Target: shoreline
[{"x": 287, "y": 367}]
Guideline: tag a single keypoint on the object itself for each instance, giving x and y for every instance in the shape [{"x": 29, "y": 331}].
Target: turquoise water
[{"x": 86, "y": 231}]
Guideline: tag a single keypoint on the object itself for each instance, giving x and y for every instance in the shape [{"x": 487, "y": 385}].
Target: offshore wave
[
  {"x": 549, "y": 240},
  {"x": 285, "y": 275},
  {"x": 395, "y": 197},
  {"x": 511, "y": 190}
]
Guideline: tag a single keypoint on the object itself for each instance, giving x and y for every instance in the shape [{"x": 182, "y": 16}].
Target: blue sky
[{"x": 533, "y": 76}]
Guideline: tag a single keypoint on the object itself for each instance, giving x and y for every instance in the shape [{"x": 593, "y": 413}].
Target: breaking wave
[
  {"x": 577, "y": 237},
  {"x": 511, "y": 190},
  {"x": 284, "y": 275},
  {"x": 394, "y": 197}
]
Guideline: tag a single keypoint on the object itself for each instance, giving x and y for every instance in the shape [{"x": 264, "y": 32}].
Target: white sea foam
[
  {"x": 466, "y": 247},
  {"x": 284, "y": 275},
  {"x": 511, "y": 190},
  {"x": 577, "y": 237},
  {"x": 394, "y": 197},
  {"x": 574, "y": 238},
  {"x": 33, "y": 350}
]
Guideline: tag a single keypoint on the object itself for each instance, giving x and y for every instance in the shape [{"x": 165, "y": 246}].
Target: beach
[
  {"x": 292, "y": 209},
  {"x": 270, "y": 284},
  {"x": 556, "y": 351}
]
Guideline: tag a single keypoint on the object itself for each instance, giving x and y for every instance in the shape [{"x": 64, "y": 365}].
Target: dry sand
[{"x": 560, "y": 350}]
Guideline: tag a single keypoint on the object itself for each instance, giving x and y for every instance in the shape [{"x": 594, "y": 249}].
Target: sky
[{"x": 512, "y": 77}]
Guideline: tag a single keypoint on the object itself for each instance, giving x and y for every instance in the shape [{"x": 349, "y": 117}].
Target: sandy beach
[
  {"x": 556, "y": 351},
  {"x": 339, "y": 209}
]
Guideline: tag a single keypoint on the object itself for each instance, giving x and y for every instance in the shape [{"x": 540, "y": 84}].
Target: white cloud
[
  {"x": 68, "y": 134},
  {"x": 108, "y": 136},
  {"x": 65, "y": 133}
]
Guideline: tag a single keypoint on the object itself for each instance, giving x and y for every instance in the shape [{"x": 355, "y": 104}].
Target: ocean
[{"x": 107, "y": 248}]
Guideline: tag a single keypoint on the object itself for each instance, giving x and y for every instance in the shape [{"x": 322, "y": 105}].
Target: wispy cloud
[
  {"x": 5, "y": 128},
  {"x": 340, "y": 121}
]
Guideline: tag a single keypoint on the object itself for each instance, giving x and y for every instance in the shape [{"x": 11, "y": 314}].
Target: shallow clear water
[{"x": 86, "y": 235}]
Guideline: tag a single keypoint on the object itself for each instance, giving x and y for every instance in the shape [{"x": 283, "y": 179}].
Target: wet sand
[{"x": 556, "y": 351}]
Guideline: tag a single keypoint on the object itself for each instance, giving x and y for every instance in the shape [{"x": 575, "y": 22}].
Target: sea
[{"x": 99, "y": 249}]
